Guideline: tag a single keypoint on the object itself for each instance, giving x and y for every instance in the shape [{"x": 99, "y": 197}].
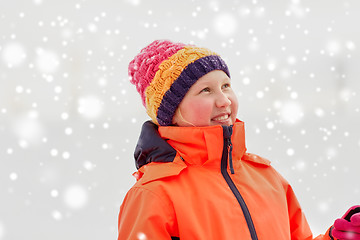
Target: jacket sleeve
[
  {"x": 299, "y": 227},
  {"x": 144, "y": 215}
]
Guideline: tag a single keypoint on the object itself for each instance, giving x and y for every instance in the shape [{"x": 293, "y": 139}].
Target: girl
[{"x": 195, "y": 179}]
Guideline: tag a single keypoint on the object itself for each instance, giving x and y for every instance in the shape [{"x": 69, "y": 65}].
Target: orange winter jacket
[{"x": 199, "y": 183}]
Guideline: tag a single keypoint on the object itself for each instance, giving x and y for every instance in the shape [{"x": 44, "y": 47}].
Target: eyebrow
[
  {"x": 222, "y": 80},
  {"x": 206, "y": 83}
]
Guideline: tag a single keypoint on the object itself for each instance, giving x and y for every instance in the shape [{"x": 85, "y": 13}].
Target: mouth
[{"x": 221, "y": 118}]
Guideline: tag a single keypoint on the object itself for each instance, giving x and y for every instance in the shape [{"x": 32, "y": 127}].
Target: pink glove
[{"x": 348, "y": 227}]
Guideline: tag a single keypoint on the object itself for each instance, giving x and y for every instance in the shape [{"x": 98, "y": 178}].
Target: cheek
[
  {"x": 197, "y": 110},
  {"x": 234, "y": 103}
]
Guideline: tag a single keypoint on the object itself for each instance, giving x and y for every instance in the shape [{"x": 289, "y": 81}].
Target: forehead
[{"x": 213, "y": 77}]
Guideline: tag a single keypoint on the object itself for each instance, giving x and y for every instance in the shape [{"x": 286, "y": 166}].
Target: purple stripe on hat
[{"x": 182, "y": 84}]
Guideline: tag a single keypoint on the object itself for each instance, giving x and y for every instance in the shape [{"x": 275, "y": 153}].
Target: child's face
[{"x": 210, "y": 101}]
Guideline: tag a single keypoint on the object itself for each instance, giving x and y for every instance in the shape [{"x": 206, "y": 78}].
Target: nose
[{"x": 222, "y": 100}]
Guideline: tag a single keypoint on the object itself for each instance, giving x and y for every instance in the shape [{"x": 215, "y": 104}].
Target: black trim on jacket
[{"x": 151, "y": 147}]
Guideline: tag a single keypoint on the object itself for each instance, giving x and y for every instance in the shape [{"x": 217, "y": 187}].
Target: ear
[
  {"x": 175, "y": 117},
  {"x": 174, "y": 123}
]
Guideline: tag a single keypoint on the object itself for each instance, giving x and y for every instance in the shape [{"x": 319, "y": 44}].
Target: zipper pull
[
  {"x": 227, "y": 130},
  {"x": 230, "y": 146}
]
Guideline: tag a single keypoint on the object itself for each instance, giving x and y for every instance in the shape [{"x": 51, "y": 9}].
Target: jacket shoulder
[
  {"x": 256, "y": 159},
  {"x": 155, "y": 170}
]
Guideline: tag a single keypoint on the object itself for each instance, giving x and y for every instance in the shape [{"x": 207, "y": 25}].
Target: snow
[
  {"x": 54, "y": 193},
  {"x": 70, "y": 119},
  {"x": 89, "y": 165},
  {"x": 2, "y": 230},
  {"x": 90, "y": 107},
  {"x": 246, "y": 81},
  {"x": 66, "y": 155},
  {"x": 54, "y": 152},
  {"x": 13, "y": 176},
  {"x": 28, "y": 128},
  {"x": 57, "y": 215},
  {"x": 141, "y": 236},
  {"x": 290, "y": 152},
  {"x": 64, "y": 116},
  {"x": 13, "y": 54},
  {"x": 225, "y": 24},
  {"x": 76, "y": 197},
  {"x": 270, "y": 125},
  {"x": 291, "y": 112},
  {"x": 47, "y": 61},
  {"x": 68, "y": 131}
]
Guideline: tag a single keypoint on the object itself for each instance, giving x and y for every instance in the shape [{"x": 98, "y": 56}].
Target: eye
[
  {"x": 226, "y": 85},
  {"x": 207, "y": 89}
]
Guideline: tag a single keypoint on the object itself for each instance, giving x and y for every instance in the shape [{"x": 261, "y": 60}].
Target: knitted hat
[{"x": 164, "y": 71}]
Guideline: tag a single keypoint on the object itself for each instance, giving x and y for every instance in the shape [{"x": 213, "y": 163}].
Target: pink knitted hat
[{"x": 164, "y": 71}]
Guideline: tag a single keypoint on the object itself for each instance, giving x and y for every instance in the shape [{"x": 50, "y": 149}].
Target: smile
[{"x": 221, "y": 118}]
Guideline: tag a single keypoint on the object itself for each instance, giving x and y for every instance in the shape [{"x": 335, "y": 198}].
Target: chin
[{"x": 228, "y": 122}]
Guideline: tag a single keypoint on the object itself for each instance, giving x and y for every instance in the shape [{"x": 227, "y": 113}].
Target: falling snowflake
[
  {"x": 47, "y": 61},
  {"x": 141, "y": 236},
  {"x": 75, "y": 197},
  {"x": 13, "y": 54},
  {"x": 225, "y": 24},
  {"x": 90, "y": 107},
  {"x": 291, "y": 112}
]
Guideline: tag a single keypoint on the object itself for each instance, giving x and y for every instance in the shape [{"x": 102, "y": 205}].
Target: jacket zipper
[{"x": 227, "y": 132}]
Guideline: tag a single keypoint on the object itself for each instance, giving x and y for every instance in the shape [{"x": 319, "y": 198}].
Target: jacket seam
[
  {"x": 148, "y": 190},
  {"x": 262, "y": 161},
  {"x": 166, "y": 203},
  {"x": 281, "y": 179}
]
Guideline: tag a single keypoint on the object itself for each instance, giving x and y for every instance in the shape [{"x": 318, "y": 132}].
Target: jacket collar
[
  {"x": 151, "y": 147},
  {"x": 178, "y": 147},
  {"x": 204, "y": 145}
]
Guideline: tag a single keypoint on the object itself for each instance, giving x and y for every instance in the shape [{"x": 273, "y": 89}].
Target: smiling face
[{"x": 210, "y": 101}]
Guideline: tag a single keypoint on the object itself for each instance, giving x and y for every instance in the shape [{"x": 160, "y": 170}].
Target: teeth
[{"x": 224, "y": 117}]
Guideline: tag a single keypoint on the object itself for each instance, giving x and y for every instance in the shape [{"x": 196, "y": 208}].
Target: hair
[{"x": 182, "y": 118}]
